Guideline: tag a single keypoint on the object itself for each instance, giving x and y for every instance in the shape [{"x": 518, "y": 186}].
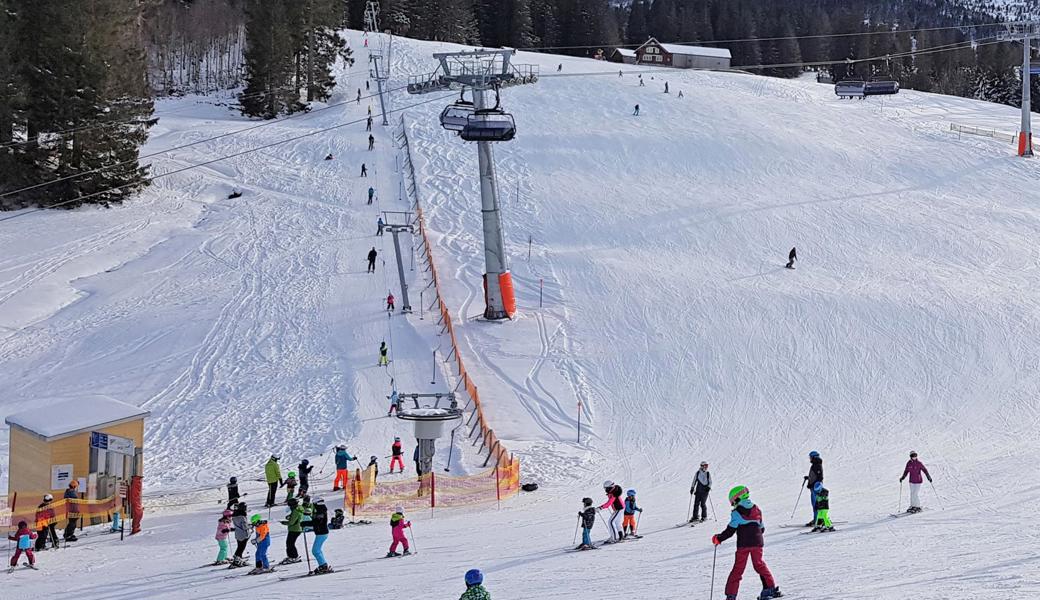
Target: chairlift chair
[
  {"x": 456, "y": 116},
  {"x": 489, "y": 125}
]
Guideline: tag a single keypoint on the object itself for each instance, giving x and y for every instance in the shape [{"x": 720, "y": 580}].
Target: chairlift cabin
[
  {"x": 489, "y": 125},
  {"x": 456, "y": 116}
]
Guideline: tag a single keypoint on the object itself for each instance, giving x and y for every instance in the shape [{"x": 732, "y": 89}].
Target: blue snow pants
[
  {"x": 261, "y": 553},
  {"x": 319, "y": 541}
]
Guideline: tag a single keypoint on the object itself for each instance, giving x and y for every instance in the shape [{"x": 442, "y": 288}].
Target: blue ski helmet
[
  {"x": 817, "y": 486},
  {"x": 630, "y": 493},
  {"x": 814, "y": 454},
  {"x": 474, "y": 577}
]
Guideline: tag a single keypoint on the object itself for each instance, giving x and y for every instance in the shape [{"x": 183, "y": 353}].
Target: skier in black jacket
[
  {"x": 372, "y": 254},
  {"x": 588, "y": 519},
  {"x": 304, "y": 471},
  {"x": 699, "y": 488},
  {"x": 320, "y": 525},
  {"x": 815, "y": 474}
]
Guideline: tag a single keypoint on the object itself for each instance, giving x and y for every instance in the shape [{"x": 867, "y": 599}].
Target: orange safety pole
[{"x": 498, "y": 490}]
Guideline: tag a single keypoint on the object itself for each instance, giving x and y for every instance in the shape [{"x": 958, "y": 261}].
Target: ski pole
[
  {"x": 714, "y": 555},
  {"x": 798, "y": 501},
  {"x": 306, "y": 551},
  {"x": 689, "y": 509},
  {"x": 412, "y": 535},
  {"x": 899, "y": 506},
  {"x": 714, "y": 516},
  {"x": 638, "y": 518},
  {"x": 575, "y": 541},
  {"x": 323, "y": 465},
  {"x": 936, "y": 494}
]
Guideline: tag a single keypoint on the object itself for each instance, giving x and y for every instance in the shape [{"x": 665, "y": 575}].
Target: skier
[
  {"x": 379, "y": 226},
  {"x": 304, "y": 469},
  {"x": 294, "y": 523},
  {"x": 641, "y": 84},
  {"x": 45, "y": 526},
  {"x": 396, "y": 455},
  {"x": 343, "y": 458},
  {"x": 364, "y": 170},
  {"x": 815, "y": 475},
  {"x": 699, "y": 490},
  {"x": 262, "y": 541},
  {"x": 397, "y": 527},
  {"x": 241, "y": 526},
  {"x": 372, "y": 254},
  {"x": 320, "y": 525},
  {"x": 373, "y": 463},
  {"x": 666, "y": 87},
  {"x": 680, "y": 94},
  {"x": 559, "y": 67},
  {"x": 371, "y": 194},
  {"x": 337, "y": 519},
  {"x": 359, "y": 96},
  {"x": 366, "y": 86},
  {"x": 328, "y": 156},
  {"x": 746, "y": 522},
  {"x": 791, "y": 257},
  {"x": 823, "y": 506},
  {"x": 371, "y": 142},
  {"x": 70, "y": 500},
  {"x": 290, "y": 486},
  {"x": 588, "y": 518},
  {"x": 384, "y": 352},
  {"x": 635, "y": 113},
  {"x": 232, "y": 492},
  {"x": 475, "y": 586},
  {"x": 613, "y": 492},
  {"x": 619, "y": 73},
  {"x": 224, "y": 527},
  {"x": 390, "y": 301},
  {"x": 370, "y": 110},
  {"x": 628, "y": 525},
  {"x": 914, "y": 468},
  {"x": 368, "y": 124},
  {"x": 395, "y": 404},
  {"x": 24, "y": 538},
  {"x": 273, "y": 476},
  {"x": 418, "y": 466}
]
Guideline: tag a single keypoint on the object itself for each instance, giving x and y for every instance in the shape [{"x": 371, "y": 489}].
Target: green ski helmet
[
  {"x": 292, "y": 473},
  {"x": 739, "y": 493},
  {"x": 255, "y": 519}
]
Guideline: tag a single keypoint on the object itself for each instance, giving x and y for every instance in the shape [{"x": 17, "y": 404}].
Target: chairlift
[
  {"x": 456, "y": 116},
  {"x": 489, "y": 125}
]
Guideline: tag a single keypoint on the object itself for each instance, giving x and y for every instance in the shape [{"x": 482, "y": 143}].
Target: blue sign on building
[{"x": 99, "y": 440}]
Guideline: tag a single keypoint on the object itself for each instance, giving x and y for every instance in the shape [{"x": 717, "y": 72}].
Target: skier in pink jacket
[
  {"x": 397, "y": 527},
  {"x": 914, "y": 468}
]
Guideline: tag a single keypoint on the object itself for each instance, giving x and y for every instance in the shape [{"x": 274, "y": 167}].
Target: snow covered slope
[{"x": 910, "y": 322}]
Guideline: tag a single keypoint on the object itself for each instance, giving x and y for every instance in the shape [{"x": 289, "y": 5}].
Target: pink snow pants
[{"x": 399, "y": 538}]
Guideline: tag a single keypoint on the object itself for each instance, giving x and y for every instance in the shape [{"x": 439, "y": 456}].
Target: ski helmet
[
  {"x": 814, "y": 454},
  {"x": 399, "y": 509},
  {"x": 47, "y": 497},
  {"x": 255, "y": 519},
  {"x": 373, "y": 457},
  {"x": 608, "y": 484},
  {"x": 241, "y": 506},
  {"x": 630, "y": 493},
  {"x": 817, "y": 486},
  {"x": 474, "y": 577},
  {"x": 704, "y": 463},
  {"x": 739, "y": 493},
  {"x": 228, "y": 513},
  {"x": 913, "y": 454},
  {"x": 397, "y": 439},
  {"x": 305, "y": 462},
  {"x": 292, "y": 473},
  {"x": 274, "y": 458},
  {"x": 292, "y": 502},
  {"x": 234, "y": 480},
  {"x": 586, "y": 501}
]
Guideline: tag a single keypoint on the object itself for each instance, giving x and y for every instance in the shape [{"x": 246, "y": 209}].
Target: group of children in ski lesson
[{"x": 745, "y": 519}]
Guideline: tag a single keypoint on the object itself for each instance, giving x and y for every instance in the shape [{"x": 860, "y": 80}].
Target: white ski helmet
[
  {"x": 399, "y": 509},
  {"x": 608, "y": 484},
  {"x": 47, "y": 497}
]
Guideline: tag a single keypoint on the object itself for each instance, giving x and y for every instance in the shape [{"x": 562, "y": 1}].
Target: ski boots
[
  {"x": 290, "y": 561},
  {"x": 768, "y": 593},
  {"x": 406, "y": 553},
  {"x": 817, "y": 529},
  {"x": 392, "y": 554},
  {"x": 731, "y": 597}
]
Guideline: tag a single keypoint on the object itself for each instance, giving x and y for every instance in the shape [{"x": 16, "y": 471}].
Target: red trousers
[
  {"x": 740, "y": 563},
  {"x": 398, "y": 461},
  {"x": 18, "y": 553},
  {"x": 342, "y": 478}
]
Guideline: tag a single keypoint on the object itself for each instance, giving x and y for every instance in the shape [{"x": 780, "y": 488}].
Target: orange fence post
[{"x": 433, "y": 490}]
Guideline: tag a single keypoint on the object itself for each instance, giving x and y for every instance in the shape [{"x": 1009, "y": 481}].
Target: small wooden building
[
  {"x": 653, "y": 52},
  {"x": 96, "y": 440}
]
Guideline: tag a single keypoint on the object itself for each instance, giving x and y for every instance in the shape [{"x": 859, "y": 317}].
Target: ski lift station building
[
  {"x": 653, "y": 52},
  {"x": 96, "y": 440}
]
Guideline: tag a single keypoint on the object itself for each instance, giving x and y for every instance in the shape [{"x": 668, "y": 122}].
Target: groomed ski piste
[{"x": 249, "y": 327}]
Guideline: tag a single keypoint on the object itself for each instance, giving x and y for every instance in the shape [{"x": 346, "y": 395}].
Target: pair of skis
[{"x": 24, "y": 564}]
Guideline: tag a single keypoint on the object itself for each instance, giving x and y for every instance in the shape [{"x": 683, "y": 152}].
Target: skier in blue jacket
[{"x": 343, "y": 458}]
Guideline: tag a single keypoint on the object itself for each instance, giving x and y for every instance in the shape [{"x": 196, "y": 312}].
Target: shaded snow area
[{"x": 657, "y": 246}]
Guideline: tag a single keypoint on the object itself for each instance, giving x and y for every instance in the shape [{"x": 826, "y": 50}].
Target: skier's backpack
[
  {"x": 24, "y": 542},
  {"x": 529, "y": 487}
]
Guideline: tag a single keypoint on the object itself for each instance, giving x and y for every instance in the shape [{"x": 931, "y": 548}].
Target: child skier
[
  {"x": 397, "y": 527},
  {"x": 232, "y": 493},
  {"x": 613, "y": 492},
  {"x": 588, "y": 518},
  {"x": 699, "y": 489},
  {"x": 240, "y": 524},
  {"x": 320, "y": 526},
  {"x": 746, "y": 522},
  {"x": 337, "y": 519},
  {"x": 395, "y": 455},
  {"x": 262, "y": 541},
  {"x": 223, "y": 529},
  {"x": 304, "y": 469},
  {"x": 815, "y": 475},
  {"x": 373, "y": 462},
  {"x": 475, "y": 586},
  {"x": 823, "y": 505},
  {"x": 914, "y": 468},
  {"x": 628, "y": 526},
  {"x": 384, "y": 352},
  {"x": 24, "y": 537},
  {"x": 295, "y": 524},
  {"x": 290, "y": 486},
  {"x": 395, "y": 402},
  {"x": 390, "y": 302}
]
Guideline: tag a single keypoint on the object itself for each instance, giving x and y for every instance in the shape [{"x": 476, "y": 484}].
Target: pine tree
[{"x": 270, "y": 61}]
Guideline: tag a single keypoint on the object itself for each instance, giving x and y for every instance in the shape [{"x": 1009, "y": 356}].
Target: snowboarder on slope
[
  {"x": 613, "y": 492},
  {"x": 384, "y": 353},
  {"x": 295, "y": 524},
  {"x": 273, "y": 476},
  {"x": 914, "y": 468},
  {"x": 791, "y": 257},
  {"x": 24, "y": 538},
  {"x": 320, "y": 525},
  {"x": 304, "y": 469},
  {"x": 823, "y": 508},
  {"x": 628, "y": 526},
  {"x": 343, "y": 458},
  {"x": 699, "y": 490},
  {"x": 475, "y": 586},
  {"x": 396, "y": 455},
  {"x": 390, "y": 301},
  {"x": 815, "y": 475},
  {"x": 746, "y": 522},
  {"x": 397, "y": 527},
  {"x": 372, "y": 254},
  {"x": 240, "y": 524},
  {"x": 588, "y": 519},
  {"x": 262, "y": 541},
  {"x": 224, "y": 527}
]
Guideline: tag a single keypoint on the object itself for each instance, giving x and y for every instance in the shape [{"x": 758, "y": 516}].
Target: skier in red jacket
[
  {"x": 914, "y": 468},
  {"x": 746, "y": 522}
]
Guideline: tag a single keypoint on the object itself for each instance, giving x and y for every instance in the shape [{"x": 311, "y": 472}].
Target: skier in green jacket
[
  {"x": 295, "y": 524},
  {"x": 273, "y": 476},
  {"x": 475, "y": 586}
]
